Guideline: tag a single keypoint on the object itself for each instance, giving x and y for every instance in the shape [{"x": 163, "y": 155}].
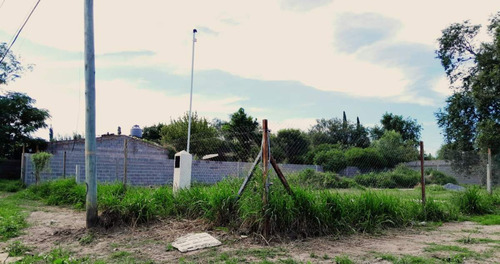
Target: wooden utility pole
[
  {"x": 422, "y": 176},
  {"x": 90, "y": 135}
]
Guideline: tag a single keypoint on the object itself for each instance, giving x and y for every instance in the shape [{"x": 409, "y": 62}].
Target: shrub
[
  {"x": 310, "y": 178},
  {"x": 331, "y": 160},
  {"x": 367, "y": 158},
  {"x": 438, "y": 177},
  {"x": 41, "y": 162},
  {"x": 474, "y": 201},
  {"x": 400, "y": 177}
]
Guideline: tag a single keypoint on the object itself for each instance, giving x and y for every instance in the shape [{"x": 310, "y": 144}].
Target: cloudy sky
[{"x": 289, "y": 61}]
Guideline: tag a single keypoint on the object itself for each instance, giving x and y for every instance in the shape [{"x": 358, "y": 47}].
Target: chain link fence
[{"x": 348, "y": 150}]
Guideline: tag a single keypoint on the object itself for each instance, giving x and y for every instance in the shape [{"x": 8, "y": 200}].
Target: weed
[
  {"x": 12, "y": 219},
  {"x": 10, "y": 185},
  {"x": 343, "y": 259},
  {"x": 120, "y": 255},
  {"x": 16, "y": 249},
  {"x": 86, "y": 239},
  {"x": 169, "y": 247},
  {"x": 313, "y": 255},
  {"x": 326, "y": 257},
  {"x": 489, "y": 219},
  {"x": 474, "y": 201}
]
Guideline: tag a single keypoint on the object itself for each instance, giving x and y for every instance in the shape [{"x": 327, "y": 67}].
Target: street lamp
[{"x": 191, "y": 95}]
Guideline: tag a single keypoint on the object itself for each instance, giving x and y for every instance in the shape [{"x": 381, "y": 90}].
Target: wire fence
[{"x": 347, "y": 151}]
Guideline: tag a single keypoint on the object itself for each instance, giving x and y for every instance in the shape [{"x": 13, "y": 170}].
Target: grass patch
[
  {"x": 489, "y": 219},
  {"x": 343, "y": 259},
  {"x": 17, "y": 248},
  {"x": 406, "y": 259},
  {"x": 12, "y": 218},
  {"x": 433, "y": 247},
  {"x": 10, "y": 185},
  {"x": 59, "y": 256},
  {"x": 471, "y": 240},
  {"x": 309, "y": 212},
  {"x": 474, "y": 201}
]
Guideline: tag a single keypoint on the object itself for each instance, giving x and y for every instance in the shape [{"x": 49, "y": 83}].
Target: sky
[{"x": 288, "y": 61}]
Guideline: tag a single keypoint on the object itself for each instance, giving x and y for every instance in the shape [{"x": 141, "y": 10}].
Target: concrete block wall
[
  {"x": 445, "y": 167},
  {"x": 147, "y": 164}
]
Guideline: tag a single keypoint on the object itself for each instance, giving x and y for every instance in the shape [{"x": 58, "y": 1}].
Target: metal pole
[
  {"x": 90, "y": 136},
  {"x": 422, "y": 178},
  {"x": 191, "y": 94},
  {"x": 265, "y": 162},
  {"x": 488, "y": 172}
]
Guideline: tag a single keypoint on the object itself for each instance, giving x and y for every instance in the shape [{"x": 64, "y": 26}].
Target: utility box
[{"x": 182, "y": 170}]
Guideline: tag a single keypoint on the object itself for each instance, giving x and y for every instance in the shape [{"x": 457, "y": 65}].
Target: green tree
[
  {"x": 336, "y": 131},
  {"x": 203, "y": 140},
  {"x": 473, "y": 70},
  {"x": 19, "y": 118},
  {"x": 153, "y": 133},
  {"x": 290, "y": 146},
  {"x": 394, "y": 149},
  {"x": 242, "y": 134},
  {"x": 10, "y": 67},
  {"x": 408, "y": 128}
]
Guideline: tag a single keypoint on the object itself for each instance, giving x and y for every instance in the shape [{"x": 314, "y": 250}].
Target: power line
[
  {"x": 19, "y": 31},
  {"x": 2, "y": 3}
]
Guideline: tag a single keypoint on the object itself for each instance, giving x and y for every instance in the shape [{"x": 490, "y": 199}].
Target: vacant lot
[{"x": 55, "y": 228}]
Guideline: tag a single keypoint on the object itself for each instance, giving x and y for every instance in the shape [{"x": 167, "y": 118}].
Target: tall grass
[{"x": 307, "y": 212}]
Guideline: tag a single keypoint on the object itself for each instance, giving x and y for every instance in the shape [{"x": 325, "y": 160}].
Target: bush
[
  {"x": 41, "y": 162},
  {"x": 474, "y": 201},
  {"x": 310, "y": 178},
  {"x": 331, "y": 160},
  {"x": 438, "y": 177},
  {"x": 367, "y": 158},
  {"x": 400, "y": 177}
]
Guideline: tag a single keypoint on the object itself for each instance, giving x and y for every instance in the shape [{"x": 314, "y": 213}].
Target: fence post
[
  {"x": 22, "y": 165},
  {"x": 77, "y": 173},
  {"x": 125, "y": 150},
  {"x": 422, "y": 178},
  {"x": 64, "y": 165},
  {"x": 265, "y": 162},
  {"x": 488, "y": 172}
]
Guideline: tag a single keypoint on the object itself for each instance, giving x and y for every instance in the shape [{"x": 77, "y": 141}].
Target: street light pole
[{"x": 191, "y": 94}]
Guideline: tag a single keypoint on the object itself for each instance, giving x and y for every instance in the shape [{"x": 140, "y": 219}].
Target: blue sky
[{"x": 289, "y": 61}]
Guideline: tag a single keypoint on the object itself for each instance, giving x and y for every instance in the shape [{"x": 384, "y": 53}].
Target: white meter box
[{"x": 182, "y": 170}]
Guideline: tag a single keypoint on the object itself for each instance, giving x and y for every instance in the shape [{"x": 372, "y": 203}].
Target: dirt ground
[{"x": 53, "y": 227}]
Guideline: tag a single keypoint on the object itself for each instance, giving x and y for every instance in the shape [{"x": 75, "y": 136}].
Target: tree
[
  {"x": 242, "y": 133},
  {"x": 336, "y": 131},
  {"x": 472, "y": 68},
  {"x": 394, "y": 149},
  {"x": 153, "y": 133},
  {"x": 10, "y": 67},
  {"x": 203, "y": 140},
  {"x": 408, "y": 128},
  {"x": 18, "y": 120},
  {"x": 290, "y": 146}
]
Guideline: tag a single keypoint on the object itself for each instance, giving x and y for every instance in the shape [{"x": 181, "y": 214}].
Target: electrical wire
[
  {"x": 19, "y": 31},
  {"x": 2, "y": 3}
]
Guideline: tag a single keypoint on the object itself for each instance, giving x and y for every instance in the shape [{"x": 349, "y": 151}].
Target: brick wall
[{"x": 147, "y": 164}]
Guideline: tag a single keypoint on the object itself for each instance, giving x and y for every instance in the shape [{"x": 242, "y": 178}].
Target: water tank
[{"x": 136, "y": 131}]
